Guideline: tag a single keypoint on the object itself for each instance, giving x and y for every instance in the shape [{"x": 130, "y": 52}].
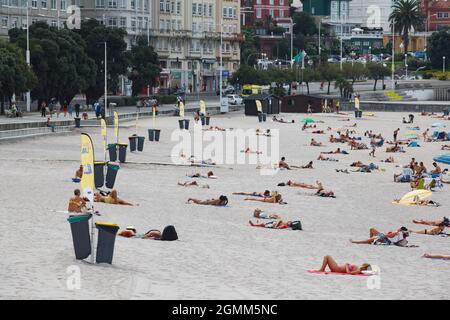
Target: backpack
[
  {"x": 296, "y": 225},
  {"x": 169, "y": 234}
]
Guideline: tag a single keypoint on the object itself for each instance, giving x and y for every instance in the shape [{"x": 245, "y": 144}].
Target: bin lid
[
  {"x": 100, "y": 163},
  {"x": 106, "y": 224},
  {"x": 122, "y": 145},
  {"x": 78, "y": 218},
  {"x": 113, "y": 166}
]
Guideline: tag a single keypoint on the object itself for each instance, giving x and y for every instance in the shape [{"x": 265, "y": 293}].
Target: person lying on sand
[
  {"x": 221, "y": 202},
  {"x": 209, "y": 175},
  {"x": 444, "y": 221},
  {"x": 284, "y": 165},
  {"x": 435, "y": 256},
  {"x": 110, "y": 198},
  {"x": 272, "y": 224},
  {"x": 259, "y": 214},
  {"x": 275, "y": 197},
  {"x": 250, "y": 151},
  {"x": 325, "y": 193},
  {"x": 423, "y": 203},
  {"x": 76, "y": 203},
  {"x": 342, "y": 171},
  {"x": 389, "y": 160},
  {"x": 349, "y": 268},
  {"x": 387, "y": 238},
  {"x": 130, "y": 232},
  {"x": 192, "y": 184},
  {"x": 314, "y": 143},
  {"x": 439, "y": 226},
  {"x": 211, "y": 128},
  {"x": 395, "y": 148},
  {"x": 208, "y": 162},
  {"x": 308, "y": 166},
  {"x": 266, "y": 134},
  {"x": 333, "y": 139},
  {"x": 357, "y": 145},
  {"x": 318, "y": 132},
  {"x": 275, "y": 119},
  {"x": 291, "y": 183},
  {"x": 265, "y": 194},
  {"x": 322, "y": 158},
  {"x": 337, "y": 151}
]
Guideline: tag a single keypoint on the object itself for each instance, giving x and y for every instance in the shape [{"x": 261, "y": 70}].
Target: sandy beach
[{"x": 218, "y": 255}]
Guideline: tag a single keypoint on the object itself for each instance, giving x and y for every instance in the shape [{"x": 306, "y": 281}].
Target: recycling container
[
  {"x": 140, "y": 145},
  {"x": 112, "y": 148},
  {"x": 184, "y": 124},
  {"x": 111, "y": 174},
  {"x": 446, "y": 112},
  {"x": 260, "y": 117},
  {"x": 79, "y": 226},
  {"x": 207, "y": 119},
  {"x": 99, "y": 174},
  {"x": 264, "y": 117},
  {"x": 133, "y": 143},
  {"x": 122, "y": 152},
  {"x": 77, "y": 122},
  {"x": 106, "y": 240}
]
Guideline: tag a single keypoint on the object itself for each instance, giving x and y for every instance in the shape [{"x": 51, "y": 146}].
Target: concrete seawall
[{"x": 412, "y": 106}]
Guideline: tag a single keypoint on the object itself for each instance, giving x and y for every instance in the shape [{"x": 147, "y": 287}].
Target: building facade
[{"x": 437, "y": 14}]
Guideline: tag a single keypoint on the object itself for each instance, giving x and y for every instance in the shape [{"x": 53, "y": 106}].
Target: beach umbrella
[
  {"x": 308, "y": 120},
  {"x": 443, "y": 159},
  {"x": 414, "y": 196}
]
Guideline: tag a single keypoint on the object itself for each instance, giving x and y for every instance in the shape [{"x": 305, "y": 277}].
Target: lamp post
[
  {"x": 28, "y": 58},
  {"x": 406, "y": 66},
  {"x": 393, "y": 54},
  {"x": 342, "y": 34},
  {"x": 106, "y": 81},
  {"x": 443, "y": 64},
  {"x": 320, "y": 49},
  {"x": 292, "y": 43}
]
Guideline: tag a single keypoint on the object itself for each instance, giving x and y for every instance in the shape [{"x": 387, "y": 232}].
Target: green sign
[{"x": 176, "y": 75}]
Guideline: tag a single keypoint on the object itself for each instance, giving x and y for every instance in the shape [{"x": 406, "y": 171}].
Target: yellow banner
[
  {"x": 258, "y": 106},
  {"x": 202, "y": 107},
  {"x": 116, "y": 126},
  {"x": 182, "y": 109},
  {"x": 87, "y": 161},
  {"x": 104, "y": 134}
]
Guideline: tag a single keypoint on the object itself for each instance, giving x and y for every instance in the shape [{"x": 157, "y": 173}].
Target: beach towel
[
  {"x": 443, "y": 159},
  {"x": 413, "y": 144},
  {"x": 411, "y": 198},
  {"x": 338, "y": 273}
]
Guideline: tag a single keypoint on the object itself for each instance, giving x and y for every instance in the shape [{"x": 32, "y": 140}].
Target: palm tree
[{"x": 406, "y": 15}]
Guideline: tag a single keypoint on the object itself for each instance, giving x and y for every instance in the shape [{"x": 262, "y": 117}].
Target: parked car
[
  {"x": 234, "y": 99},
  {"x": 226, "y": 90}
]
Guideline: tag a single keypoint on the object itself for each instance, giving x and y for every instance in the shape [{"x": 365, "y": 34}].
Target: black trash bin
[
  {"x": 157, "y": 134},
  {"x": 151, "y": 134},
  {"x": 260, "y": 117},
  {"x": 133, "y": 143},
  {"x": 79, "y": 226},
  {"x": 105, "y": 243},
  {"x": 203, "y": 119},
  {"x": 122, "y": 152},
  {"x": 112, "y": 148},
  {"x": 446, "y": 112},
  {"x": 140, "y": 145},
  {"x": 111, "y": 175},
  {"x": 184, "y": 124},
  {"x": 207, "y": 119},
  {"x": 99, "y": 174},
  {"x": 77, "y": 122},
  {"x": 264, "y": 116}
]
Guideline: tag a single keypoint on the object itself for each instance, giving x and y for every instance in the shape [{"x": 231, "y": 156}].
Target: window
[
  {"x": 112, "y": 3},
  {"x": 4, "y": 22},
  {"x": 34, "y": 4},
  {"x": 54, "y": 23},
  {"x": 133, "y": 24},
  {"x": 178, "y": 7},
  {"x": 161, "y": 5},
  {"x": 44, "y": 4},
  {"x": 99, "y": 3},
  {"x": 281, "y": 13},
  {"x": 123, "y": 22},
  {"x": 63, "y": 5},
  {"x": 146, "y": 5},
  {"x": 112, "y": 22},
  {"x": 133, "y": 4},
  {"x": 194, "y": 9},
  {"x": 210, "y": 10},
  {"x": 258, "y": 13},
  {"x": 53, "y": 4},
  {"x": 442, "y": 15},
  {"x": 24, "y": 23}
]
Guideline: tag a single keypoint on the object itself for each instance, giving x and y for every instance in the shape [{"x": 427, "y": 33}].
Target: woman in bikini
[
  {"x": 111, "y": 198},
  {"x": 318, "y": 185},
  {"x": 259, "y": 214},
  {"x": 376, "y": 237},
  {"x": 274, "y": 198},
  {"x": 273, "y": 224},
  {"x": 349, "y": 268},
  {"x": 221, "y": 202},
  {"x": 192, "y": 184},
  {"x": 76, "y": 203},
  {"x": 435, "y": 256},
  {"x": 314, "y": 143},
  {"x": 265, "y": 194}
]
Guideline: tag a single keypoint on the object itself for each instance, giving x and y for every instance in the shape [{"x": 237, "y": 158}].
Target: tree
[
  {"x": 329, "y": 72},
  {"x": 439, "y": 46},
  {"x": 354, "y": 72},
  {"x": 309, "y": 75},
  {"x": 95, "y": 35},
  {"x": 406, "y": 15},
  {"x": 15, "y": 75},
  {"x": 377, "y": 71},
  {"x": 249, "y": 49},
  {"x": 58, "y": 59},
  {"x": 304, "y": 24},
  {"x": 144, "y": 66}
]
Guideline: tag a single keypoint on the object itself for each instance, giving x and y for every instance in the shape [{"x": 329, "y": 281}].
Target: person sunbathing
[
  {"x": 264, "y": 194},
  {"x": 445, "y": 147},
  {"x": 389, "y": 160},
  {"x": 259, "y": 214},
  {"x": 439, "y": 226},
  {"x": 322, "y": 158},
  {"x": 76, "y": 204},
  {"x": 283, "y": 165},
  {"x": 209, "y": 175},
  {"x": 423, "y": 203},
  {"x": 395, "y": 148},
  {"x": 337, "y": 151},
  {"x": 272, "y": 224},
  {"x": 348, "y": 268},
  {"x": 110, "y": 198},
  {"x": 435, "y": 256},
  {"x": 376, "y": 237},
  {"x": 211, "y": 128},
  {"x": 325, "y": 193},
  {"x": 332, "y": 139},
  {"x": 266, "y": 134},
  {"x": 318, "y": 132},
  {"x": 79, "y": 173},
  {"x": 250, "y": 151},
  {"x": 131, "y": 232},
  {"x": 308, "y": 166},
  {"x": 221, "y": 202},
  {"x": 314, "y": 143},
  {"x": 275, "y": 197},
  {"x": 291, "y": 183},
  {"x": 357, "y": 146},
  {"x": 192, "y": 184}
]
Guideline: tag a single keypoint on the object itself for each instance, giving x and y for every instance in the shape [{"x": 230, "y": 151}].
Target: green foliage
[
  {"x": 406, "y": 15},
  {"x": 355, "y": 72},
  {"x": 439, "y": 46},
  {"x": 328, "y": 72},
  {"x": 249, "y": 75},
  {"x": 278, "y": 91},
  {"x": 377, "y": 72},
  {"x": 304, "y": 24}
]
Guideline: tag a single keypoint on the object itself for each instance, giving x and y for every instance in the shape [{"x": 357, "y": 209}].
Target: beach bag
[
  {"x": 296, "y": 225},
  {"x": 169, "y": 234},
  {"x": 402, "y": 243}
]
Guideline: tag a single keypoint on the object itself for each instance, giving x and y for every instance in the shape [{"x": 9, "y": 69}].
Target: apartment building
[{"x": 13, "y": 13}]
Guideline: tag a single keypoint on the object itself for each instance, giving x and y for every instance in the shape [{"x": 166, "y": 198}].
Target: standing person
[
  {"x": 58, "y": 107},
  {"x": 70, "y": 110},
  {"x": 43, "y": 109},
  {"x": 64, "y": 108},
  {"x": 425, "y": 135},
  {"x": 396, "y": 134},
  {"x": 98, "y": 109},
  {"x": 77, "y": 110},
  {"x": 373, "y": 144}
]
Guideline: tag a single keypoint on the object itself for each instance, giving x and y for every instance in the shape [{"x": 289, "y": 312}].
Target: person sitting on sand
[
  {"x": 314, "y": 143},
  {"x": 445, "y": 147},
  {"x": 395, "y": 148},
  {"x": 308, "y": 166},
  {"x": 357, "y": 146},
  {"x": 79, "y": 173},
  {"x": 435, "y": 256},
  {"x": 265, "y": 194},
  {"x": 221, "y": 202},
  {"x": 110, "y": 198},
  {"x": 388, "y": 238},
  {"x": 272, "y": 224},
  {"x": 436, "y": 170},
  {"x": 323, "y": 158},
  {"x": 209, "y": 175},
  {"x": 77, "y": 203},
  {"x": 283, "y": 164},
  {"x": 348, "y": 268},
  {"x": 275, "y": 197},
  {"x": 407, "y": 175},
  {"x": 192, "y": 184},
  {"x": 259, "y": 214}
]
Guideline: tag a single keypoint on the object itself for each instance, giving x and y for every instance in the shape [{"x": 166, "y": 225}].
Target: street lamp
[
  {"x": 406, "y": 66},
  {"x": 292, "y": 42},
  {"x": 28, "y": 58},
  {"x": 443, "y": 64}
]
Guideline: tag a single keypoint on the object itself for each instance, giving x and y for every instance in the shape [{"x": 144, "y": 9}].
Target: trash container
[
  {"x": 360, "y": 114},
  {"x": 111, "y": 175},
  {"x": 122, "y": 152},
  {"x": 151, "y": 134},
  {"x": 133, "y": 143},
  {"x": 99, "y": 174},
  {"x": 264, "y": 117},
  {"x": 184, "y": 124},
  {"x": 112, "y": 148},
  {"x": 207, "y": 120},
  {"x": 77, "y": 122},
  {"x": 203, "y": 119},
  {"x": 79, "y": 226},
  {"x": 260, "y": 117},
  {"x": 105, "y": 243},
  {"x": 140, "y": 145},
  {"x": 446, "y": 112}
]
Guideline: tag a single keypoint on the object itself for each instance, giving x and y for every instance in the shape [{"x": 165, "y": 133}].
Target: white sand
[{"x": 218, "y": 256}]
